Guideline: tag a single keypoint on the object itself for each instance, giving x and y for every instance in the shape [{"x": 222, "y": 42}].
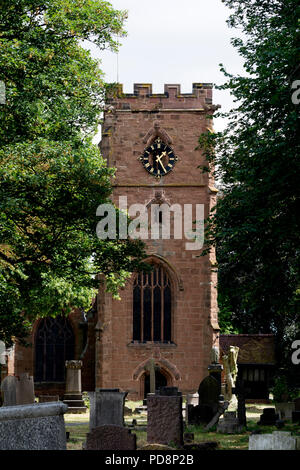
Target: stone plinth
[
  {"x": 164, "y": 422},
  {"x": 192, "y": 399},
  {"x": 33, "y": 427},
  {"x": 106, "y": 407},
  {"x": 110, "y": 437},
  {"x": 73, "y": 395},
  {"x": 48, "y": 398}
]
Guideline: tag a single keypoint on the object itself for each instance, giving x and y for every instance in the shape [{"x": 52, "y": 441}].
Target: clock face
[{"x": 158, "y": 159}]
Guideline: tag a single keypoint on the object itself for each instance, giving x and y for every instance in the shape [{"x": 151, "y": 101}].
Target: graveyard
[
  {"x": 78, "y": 425},
  {"x": 166, "y": 420}
]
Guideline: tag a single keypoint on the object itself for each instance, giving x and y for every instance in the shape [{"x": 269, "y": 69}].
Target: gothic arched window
[
  {"x": 54, "y": 344},
  {"x": 152, "y": 306}
]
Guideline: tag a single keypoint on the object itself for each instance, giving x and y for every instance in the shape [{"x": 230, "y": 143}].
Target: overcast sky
[{"x": 173, "y": 41}]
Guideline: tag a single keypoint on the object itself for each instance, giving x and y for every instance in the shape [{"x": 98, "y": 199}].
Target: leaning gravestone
[
  {"x": 164, "y": 417},
  {"x": 9, "y": 390},
  {"x": 33, "y": 427},
  {"x": 110, "y": 437},
  {"x": 106, "y": 407}
]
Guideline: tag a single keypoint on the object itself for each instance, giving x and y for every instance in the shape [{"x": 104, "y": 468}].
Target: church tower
[{"x": 166, "y": 318}]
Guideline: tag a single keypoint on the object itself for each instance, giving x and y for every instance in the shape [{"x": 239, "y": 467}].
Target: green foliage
[
  {"x": 255, "y": 225},
  {"x": 52, "y": 178},
  {"x": 280, "y": 389}
]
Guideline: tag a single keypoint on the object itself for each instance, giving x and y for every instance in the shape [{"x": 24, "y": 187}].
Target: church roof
[{"x": 254, "y": 349}]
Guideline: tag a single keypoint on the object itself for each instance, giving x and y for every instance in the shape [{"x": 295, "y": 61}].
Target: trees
[
  {"x": 255, "y": 226},
  {"x": 52, "y": 178}
]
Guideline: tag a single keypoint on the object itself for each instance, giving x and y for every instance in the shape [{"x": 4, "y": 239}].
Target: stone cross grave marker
[{"x": 150, "y": 367}]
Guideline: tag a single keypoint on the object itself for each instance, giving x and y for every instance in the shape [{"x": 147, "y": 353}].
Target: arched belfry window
[
  {"x": 54, "y": 344},
  {"x": 152, "y": 306}
]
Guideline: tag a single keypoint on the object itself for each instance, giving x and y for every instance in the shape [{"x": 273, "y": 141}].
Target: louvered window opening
[{"x": 152, "y": 306}]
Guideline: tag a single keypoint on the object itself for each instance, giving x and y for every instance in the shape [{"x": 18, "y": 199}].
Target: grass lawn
[{"x": 78, "y": 427}]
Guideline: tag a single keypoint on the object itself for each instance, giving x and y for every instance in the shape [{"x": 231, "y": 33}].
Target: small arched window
[
  {"x": 152, "y": 306},
  {"x": 54, "y": 344}
]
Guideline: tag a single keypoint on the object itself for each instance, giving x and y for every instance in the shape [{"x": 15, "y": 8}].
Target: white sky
[{"x": 174, "y": 41}]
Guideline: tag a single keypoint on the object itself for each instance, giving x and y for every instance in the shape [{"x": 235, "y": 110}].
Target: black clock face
[{"x": 158, "y": 159}]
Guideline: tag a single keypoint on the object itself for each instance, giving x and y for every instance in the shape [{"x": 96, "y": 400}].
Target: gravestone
[
  {"x": 33, "y": 427},
  {"x": 269, "y": 417},
  {"x": 106, "y": 407},
  {"x": 164, "y": 420},
  {"x": 285, "y": 410},
  {"x": 24, "y": 390},
  {"x": 278, "y": 440},
  {"x": 208, "y": 402},
  {"x": 209, "y": 391},
  {"x": 110, "y": 437},
  {"x": 9, "y": 390},
  {"x": 229, "y": 424}
]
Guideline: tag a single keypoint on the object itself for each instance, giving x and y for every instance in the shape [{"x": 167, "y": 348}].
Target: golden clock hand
[{"x": 158, "y": 159}]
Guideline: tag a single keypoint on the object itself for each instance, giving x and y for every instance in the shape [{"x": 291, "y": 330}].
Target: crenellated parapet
[{"x": 143, "y": 99}]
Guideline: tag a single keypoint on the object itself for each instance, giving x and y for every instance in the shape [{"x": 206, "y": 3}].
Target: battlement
[{"x": 172, "y": 98}]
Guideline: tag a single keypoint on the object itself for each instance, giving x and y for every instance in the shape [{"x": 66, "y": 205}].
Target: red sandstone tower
[{"x": 167, "y": 318}]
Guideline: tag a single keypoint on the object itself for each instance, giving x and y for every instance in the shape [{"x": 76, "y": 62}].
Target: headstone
[
  {"x": 208, "y": 402},
  {"x": 73, "y": 395},
  {"x": 285, "y": 410},
  {"x": 229, "y": 424},
  {"x": 110, "y": 437},
  {"x": 9, "y": 390},
  {"x": 164, "y": 419},
  {"x": 24, "y": 390},
  {"x": 278, "y": 440},
  {"x": 106, "y": 407},
  {"x": 269, "y": 417},
  {"x": 33, "y": 427},
  {"x": 209, "y": 392}
]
